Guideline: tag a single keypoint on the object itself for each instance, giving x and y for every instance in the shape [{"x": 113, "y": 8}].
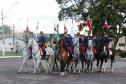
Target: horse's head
[
  {"x": 90, "y": 44},
  {"x": 76, "y": 42},
  {"x": 60, "y": 43}
]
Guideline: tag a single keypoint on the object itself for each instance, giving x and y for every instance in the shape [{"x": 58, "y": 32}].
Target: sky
[{"x": 30, "y": 12}]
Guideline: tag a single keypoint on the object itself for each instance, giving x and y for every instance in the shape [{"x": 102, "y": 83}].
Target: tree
[
  {"x": 7, "y": 29},
  {"x": 100, "y": 10}
]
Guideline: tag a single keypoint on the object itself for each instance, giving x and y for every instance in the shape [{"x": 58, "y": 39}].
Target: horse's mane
[{"x": 59, "y": 42}]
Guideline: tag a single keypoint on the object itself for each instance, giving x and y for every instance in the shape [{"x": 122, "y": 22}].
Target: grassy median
[{"x": 9, "y": 53}]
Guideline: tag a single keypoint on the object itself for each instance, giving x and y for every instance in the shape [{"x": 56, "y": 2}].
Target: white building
[{"x": 121, "y": 45}]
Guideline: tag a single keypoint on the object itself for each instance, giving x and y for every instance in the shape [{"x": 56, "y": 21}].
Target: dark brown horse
[{"x": 64, "y": 56}]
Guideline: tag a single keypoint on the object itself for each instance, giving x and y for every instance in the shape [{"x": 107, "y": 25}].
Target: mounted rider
[
  {"x": 41, "y": 43},
  {"x": 68, "y": 42},
  {"x": 106, "y": 41},
  {"x": 96, "y": 43},
  {"x": 86, "y": 38}
]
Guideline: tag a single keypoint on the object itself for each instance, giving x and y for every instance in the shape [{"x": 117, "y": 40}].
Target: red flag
[
  {"x": 106, "y": 26},
  {"x": 81, "y": 25},
  {"x": 65, "y": 29},
  {"x": 89, "y": 24}
]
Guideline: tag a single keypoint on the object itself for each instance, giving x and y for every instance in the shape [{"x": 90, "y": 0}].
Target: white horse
[
  {"x": 77, "y": 63},
  {"x": 24, "y": 52},
  {"x": 46, "y": 64},
  {"x": 89, "y": 55}
]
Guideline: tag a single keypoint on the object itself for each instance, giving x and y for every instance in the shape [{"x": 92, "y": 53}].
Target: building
[{"x": 121, "y": 45}]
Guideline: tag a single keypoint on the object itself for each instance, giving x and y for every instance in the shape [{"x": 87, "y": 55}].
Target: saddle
[
  {"x": 42, "y": 51},
  {"x": 82, "y": 48},
  {"x": 69, "y": 49},
  {"x": 109, "y": 50},
  {"x": 94, "y": 50}
]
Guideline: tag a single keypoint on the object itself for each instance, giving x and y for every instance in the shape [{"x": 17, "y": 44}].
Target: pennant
[
  {"x": 55, "y": 28},
  {"x": 65, "y": 29},
  {"x": 89, "y": 23},
  {"x": 37, "y": 26},
  {"x": 106, "y": 26}
]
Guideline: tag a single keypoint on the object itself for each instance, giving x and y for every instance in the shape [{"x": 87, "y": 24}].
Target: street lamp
[
  {"x": 14, "y": 29},
  {"x": 3, "y": 23}
]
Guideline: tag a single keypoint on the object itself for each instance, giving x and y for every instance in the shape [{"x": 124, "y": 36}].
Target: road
[{"x": 9, "y": 68}]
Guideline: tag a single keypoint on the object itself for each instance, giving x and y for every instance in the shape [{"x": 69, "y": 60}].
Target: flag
[
  {"x": 89, "y": 23},
  {"x": 81, "y": 25},
  {"x": 106, "y": 26},
  {"x": 72, "y": 30},
  {"x": 55, "y": 28},
  {"x": 37, "y": 26},
  {"x": 57, "y": 31},
  {"x": 65, "y": 29}
]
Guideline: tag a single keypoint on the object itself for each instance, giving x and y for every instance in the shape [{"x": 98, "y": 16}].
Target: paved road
[{"x": 10, "y": 66}]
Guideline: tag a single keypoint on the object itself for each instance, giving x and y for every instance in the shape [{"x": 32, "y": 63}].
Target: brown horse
[{"x": 64, "y": 55}]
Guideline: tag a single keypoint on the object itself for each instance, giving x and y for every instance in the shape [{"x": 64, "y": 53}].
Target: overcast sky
[{"x": 44, "y": 11}]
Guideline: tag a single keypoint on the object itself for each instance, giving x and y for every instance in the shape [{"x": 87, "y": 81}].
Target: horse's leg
[
  {"x": 74, "y": 64},
  {"x": 37, "y": 64},
  {"x": 88, "y": 65},
  {"x": 105, "y": 64},
  {"x": 112, "y": 61},
  {"x": 34, "y": 62},
  {"x": 26, "y": 67},
  {"x": 22, "y": 64},
  {"x": 91, "y": 65},
  {"x": 62, "y": 69},
  {"x": 102, "y": 60},
  {"x": 68, "y": 63},
  {"x": 54, "y": 64},
  {"x": 97, "y": 65}
]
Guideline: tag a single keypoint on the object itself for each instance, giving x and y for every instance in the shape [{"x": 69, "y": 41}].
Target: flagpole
[{"x": 37, "y": 29}]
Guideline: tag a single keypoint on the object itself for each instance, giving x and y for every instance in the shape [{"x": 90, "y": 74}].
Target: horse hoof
[
  {"x": 19, "y": 72},
  {"x": 26, "y": 72}
]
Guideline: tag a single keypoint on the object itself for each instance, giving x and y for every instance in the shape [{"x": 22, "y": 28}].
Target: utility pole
[
  {"x": 3, "y": 32},
  {"x": 13, "y": 34},
  {"x": 3, "y": 16}
]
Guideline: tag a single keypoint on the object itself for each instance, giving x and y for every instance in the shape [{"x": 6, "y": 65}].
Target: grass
[{"x": 9, "y": 53}]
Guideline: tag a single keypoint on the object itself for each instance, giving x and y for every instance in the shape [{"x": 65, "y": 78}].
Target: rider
[
  {"x": 41, "y": 42},
  {"x": 68, "y": 42},
  {"x": 96, "y": 42},
  {"x": 106, "y": 41}
]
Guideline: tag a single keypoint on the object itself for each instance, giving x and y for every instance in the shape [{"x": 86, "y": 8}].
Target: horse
[
  {"x": 89, "y": 55},
  {"x": 37, "y": 58},
  {"x": 64, "y": 56},
  {"x": 78, "y": 56},
  {"x": 46, "y": 61},
  {"x": 102, "y": 55},
  {"x": 24, "y": 52},
  {"x": 56, "y": 52}
]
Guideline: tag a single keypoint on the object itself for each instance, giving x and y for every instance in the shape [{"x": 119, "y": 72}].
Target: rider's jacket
[
  {"x": 106, "y": 40},
  {"x": 68, "y": 41},
  {"x": 41, "y": 40},
  {"x": 96, "y": 42}
]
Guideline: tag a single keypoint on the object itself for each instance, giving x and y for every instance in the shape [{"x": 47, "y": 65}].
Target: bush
[{"x": 122, "y": 54}]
